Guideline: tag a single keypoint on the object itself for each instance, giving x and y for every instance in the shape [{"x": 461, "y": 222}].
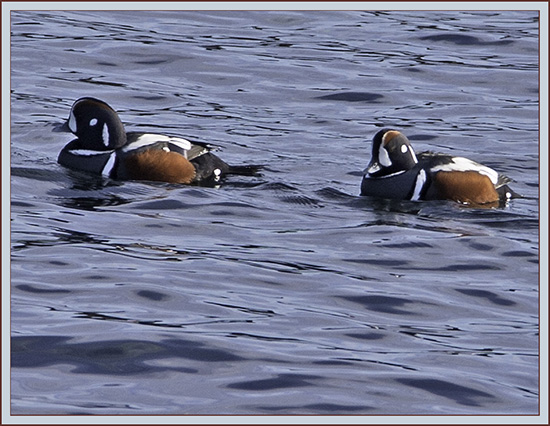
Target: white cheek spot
[
  {"x": 105, "y": 135},
  {"x": 404, "y": 149},
  {"x": 420, "y": 181},
  {"x": 383, "y": 157},
  {"x": 72, "y": 122},
  {"x": 508, "y": 195},
  {"x": 93, "y": 122}
]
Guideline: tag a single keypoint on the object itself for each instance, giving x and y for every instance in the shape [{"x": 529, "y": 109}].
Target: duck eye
[{"x": 93, "y": 122}]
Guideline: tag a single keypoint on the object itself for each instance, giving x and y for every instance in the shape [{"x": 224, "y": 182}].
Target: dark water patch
[
  {"x": 336, "y": 408},
  {"x": 464, "y": 40},
  {"x": 83, "y": 182},
  {"x": 333, "y": 194},
  {"x": 39, "y": 174},
  {"x": 366, "y": 336},
  {"x": 387, "y": 205},
  {"x": 149, "y": 97},
  {"x": 155, "y": 296},
  {"x": 263, "y": 338},
  {"x": 394, "y": 263},
  {"x": 57, "y": 236},
  {"x": 320, "y": 408},
  {"x": 37, "y": 290},
  {"x": 333, "y": 362},
  {"x": 267, "y": 312},
  {"x": 93, "y": 203},
  {"x": 22, "y": 204},
  {"x": 160, "y": 324},
  {"x": 384, "y": 304},
  {"x": 96, "y": 277},
  {"x": 107, "y": 64},
  {"x": 352, "y": 97},
  {"x": 466, "y": 267},
  {"x": 445, "y": 332},
  {"x": 519, "y": 223},
  {"x": 159, "y": 205},
  {"x": 408, "y": 245},
  {"x": 421, "y": 137},
  {"x": 301, "y": 200},
  {"x": 518, "y": 253},
  {"x": 462, "y": 395},
  {"x": 480, "y": 246},
  {"x": 114, "y": 318},
  {"x": 288, "y": 267},
  {"x": 111, "y": 357},
  {"x": 281, "y": 381},
  {"x": 489, "y": 295},
  {"x": 93, "y": 80}
]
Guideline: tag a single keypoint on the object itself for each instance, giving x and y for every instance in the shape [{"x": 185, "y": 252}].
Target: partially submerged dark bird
[
  {"x": 396, "y": 172},
  {"x": 104, "y": 147}
]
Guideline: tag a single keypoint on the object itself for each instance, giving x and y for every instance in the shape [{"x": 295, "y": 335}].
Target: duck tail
[{"x": 507, "y": 193}]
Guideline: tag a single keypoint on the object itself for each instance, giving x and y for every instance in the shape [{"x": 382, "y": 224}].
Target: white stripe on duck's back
[
  {"x": 87, "y": 152},
  {"x": 150, "y": 139},
  {"x": 461, "y": 164}
]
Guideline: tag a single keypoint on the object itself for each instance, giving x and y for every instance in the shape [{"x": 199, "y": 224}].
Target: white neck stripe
[
  {"x": 109, "y": 165},
  {"x": 420, "y": 181}
]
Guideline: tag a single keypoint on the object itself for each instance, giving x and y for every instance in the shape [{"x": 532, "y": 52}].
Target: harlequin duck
[
  {"x": 104, "y": 147},
  {"x": 396, "y": 172}
]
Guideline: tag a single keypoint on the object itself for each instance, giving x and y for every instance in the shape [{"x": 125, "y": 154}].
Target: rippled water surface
[{"x": 284, "y": 293}]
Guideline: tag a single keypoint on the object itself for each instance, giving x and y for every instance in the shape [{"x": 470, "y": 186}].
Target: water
[{"x": 285, "y": 293}]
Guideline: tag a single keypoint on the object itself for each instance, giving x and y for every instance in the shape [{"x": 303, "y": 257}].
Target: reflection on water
[{"x": 284, "y": 293}]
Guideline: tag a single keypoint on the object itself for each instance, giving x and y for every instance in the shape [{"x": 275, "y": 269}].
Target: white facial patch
[
  {"x": 72, "y": 122},
  {"x": 105, "y": 135},
  {"x": 109, "y": 165},
  {"x": 461, "y": 164},
  {"x": 93, "y": 122},
  {"x": 383, "y": 157},
  {"x": 420, "y": 181},
  {"x": 404, "y": 148}
]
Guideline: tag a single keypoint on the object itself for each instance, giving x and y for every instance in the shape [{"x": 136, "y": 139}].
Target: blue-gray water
[{"x": 285, "y": 293}]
